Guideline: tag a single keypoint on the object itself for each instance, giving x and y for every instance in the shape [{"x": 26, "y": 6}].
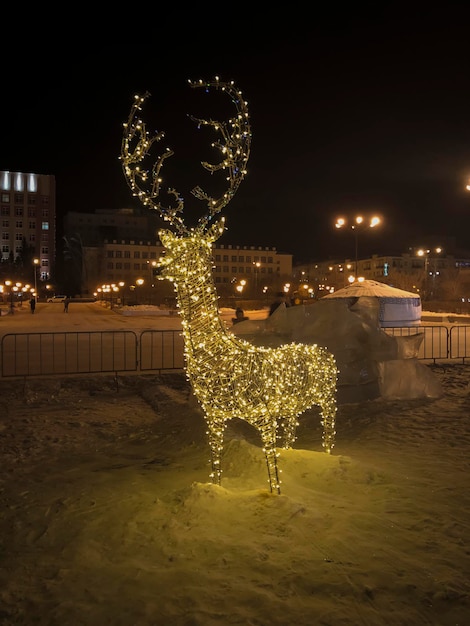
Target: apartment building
[
  {"x": 429, "y": 273},
  {"x": 123, "y": 247},
  {"x": 133, "y": 262},
  {"x": 28, "y": 213}
]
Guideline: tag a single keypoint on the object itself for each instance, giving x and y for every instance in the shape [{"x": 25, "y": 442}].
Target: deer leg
[
  {"x": 328, "y": 412},
  {"x": 268, "y": 437},
  {"x": 216, "y": 442},
  {"x": 288, "y": 431}
]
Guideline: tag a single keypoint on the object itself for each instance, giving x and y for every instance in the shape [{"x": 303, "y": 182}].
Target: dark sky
[{"x": 352, "y": 110}]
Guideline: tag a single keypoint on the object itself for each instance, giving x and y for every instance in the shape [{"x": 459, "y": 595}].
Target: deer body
[{"x": 267, "y": 387}]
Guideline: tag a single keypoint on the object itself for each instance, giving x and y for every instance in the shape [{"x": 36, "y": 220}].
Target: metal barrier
[
  {"x": 62, "y": 353},
  {"x": 41, "y": 354},
  {"x": 161, "y": 350},
  {"x": 435, "y": 345},
  {"x": 459, "y": 342}
]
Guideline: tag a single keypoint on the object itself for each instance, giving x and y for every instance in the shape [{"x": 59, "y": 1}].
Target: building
[
  {"x": 110, "y": 224},
  {"x": 434, "y": 275},
  {"x": 123, "y": 247},
  {"x": 28, "y": 216},
  {"x": 243, "y": 271}
]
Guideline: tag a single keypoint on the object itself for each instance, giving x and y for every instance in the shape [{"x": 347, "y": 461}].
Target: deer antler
[{"x": 234, "y": 146}]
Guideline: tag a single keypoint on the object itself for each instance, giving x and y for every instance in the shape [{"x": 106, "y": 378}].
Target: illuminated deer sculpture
[{"x": 267, "y": 387}]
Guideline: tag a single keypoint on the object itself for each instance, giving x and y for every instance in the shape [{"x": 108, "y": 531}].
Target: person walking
[
  {"x": 66, "y": 304},
  {"x": 32, "y": 304}
]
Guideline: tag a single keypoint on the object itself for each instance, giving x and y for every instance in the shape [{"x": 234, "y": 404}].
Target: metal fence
[
  {"x": 439, "y": 342},
  {"x": 63, "y": 353},
  {"x": 93, "y": 352}
]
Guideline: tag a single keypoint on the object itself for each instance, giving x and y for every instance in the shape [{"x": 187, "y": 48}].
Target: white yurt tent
[{"x": 396, "y": 307}]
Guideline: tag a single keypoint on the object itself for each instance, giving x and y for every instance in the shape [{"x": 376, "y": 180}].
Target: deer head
[
  {"x": 233, "y": 143},
  {"x": 189, "y": 256}
]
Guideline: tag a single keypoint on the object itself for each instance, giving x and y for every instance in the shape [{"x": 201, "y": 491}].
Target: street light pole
[
  {"x": 358, "y": 223},
  {"x": 36, "y": 263},
  {"x": 257, "y": 265},
  {"x": 356, "y": 246},
  {"x": 425, "y": 253}
]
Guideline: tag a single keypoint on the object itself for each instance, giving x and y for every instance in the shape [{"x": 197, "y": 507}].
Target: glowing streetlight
[
  {"x": 257, "y": 265},
  {"x": 426, "y": 252},
  {"x": 36, "y": 263},
  {"x": 9, "y": 284},
  {"x": 240, "y": 286},
  {"x": 358, "y": 223}
]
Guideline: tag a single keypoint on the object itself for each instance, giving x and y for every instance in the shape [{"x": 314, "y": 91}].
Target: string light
[{"x": 267, "y": 387}]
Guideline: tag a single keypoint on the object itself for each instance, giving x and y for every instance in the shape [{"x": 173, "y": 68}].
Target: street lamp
[
  {"x": 36, "y": 263},
  {"x": 358, "y": 223},
  {"x": 425, "y": 252},
  {"x": 257, "y": 265},
  {"x": 139, "y": 282},
  {"x": 8, "y": 284}
]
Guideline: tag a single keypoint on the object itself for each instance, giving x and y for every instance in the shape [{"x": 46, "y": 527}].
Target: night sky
[{"x": 364, "y": 111}]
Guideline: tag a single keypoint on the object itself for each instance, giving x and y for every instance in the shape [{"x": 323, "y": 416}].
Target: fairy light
[
  {"x": 267, "y": 387},
  {"x": 231, "y": 378}
]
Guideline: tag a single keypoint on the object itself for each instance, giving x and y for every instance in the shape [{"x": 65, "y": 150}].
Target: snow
[{"x": 108, "y": 516}]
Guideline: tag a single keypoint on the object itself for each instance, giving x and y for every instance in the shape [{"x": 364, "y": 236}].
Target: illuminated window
[{"x": 45, "y": 225}]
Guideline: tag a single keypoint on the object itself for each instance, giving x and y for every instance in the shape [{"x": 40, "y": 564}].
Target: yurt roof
[{"x": 371, "y": 288}]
